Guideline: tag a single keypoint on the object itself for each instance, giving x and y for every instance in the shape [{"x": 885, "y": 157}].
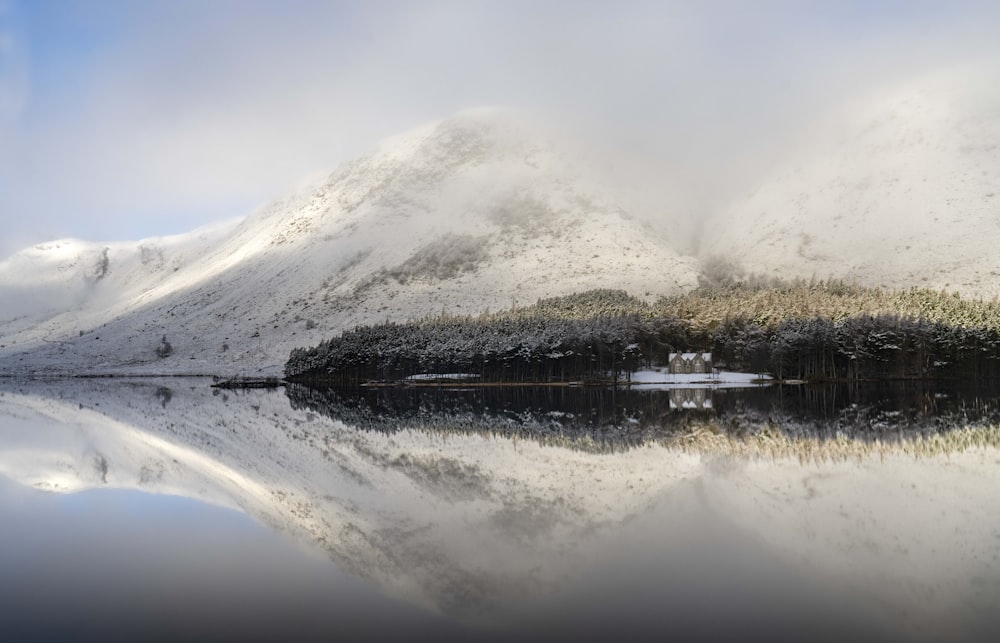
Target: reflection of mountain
[
  {"x": 478, "y": 526},
  {"x": 587, "y": 417},
  {"x": 414, "y": 513}
]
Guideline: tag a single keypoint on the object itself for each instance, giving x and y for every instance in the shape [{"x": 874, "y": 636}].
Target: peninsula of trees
[{"x": 813, "y": 330}]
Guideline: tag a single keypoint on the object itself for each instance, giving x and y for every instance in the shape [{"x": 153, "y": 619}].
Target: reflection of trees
[
  {"x": 617, "y": 417},
  {"x": 600, "y": 413}
]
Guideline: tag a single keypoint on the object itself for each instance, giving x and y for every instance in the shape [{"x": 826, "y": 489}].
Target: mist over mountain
[
  {"x": 911, "y": 197},
  {"x": 479, "y": 211}
]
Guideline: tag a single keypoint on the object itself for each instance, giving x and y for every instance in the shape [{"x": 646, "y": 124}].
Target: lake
[{"x": 164, "y": 508}]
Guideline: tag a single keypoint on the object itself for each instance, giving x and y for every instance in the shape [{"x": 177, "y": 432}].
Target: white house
[{"x": 683, "y": 363}]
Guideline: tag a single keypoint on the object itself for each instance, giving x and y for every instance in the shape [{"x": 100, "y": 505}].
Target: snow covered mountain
[
  {"x": 483, "y": 211},
  {"x": 911, "y": 198},
  {"x": 475, "y": 212}
]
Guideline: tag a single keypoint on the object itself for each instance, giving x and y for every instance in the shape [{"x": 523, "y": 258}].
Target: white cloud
[{"x": 200, "y": 110}]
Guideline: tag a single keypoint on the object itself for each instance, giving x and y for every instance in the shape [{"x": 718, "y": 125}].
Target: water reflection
[
  {"x": 514, "y": 535},
  {"x": 885, "y": 411},
  {"x": 123, "y": 565}
]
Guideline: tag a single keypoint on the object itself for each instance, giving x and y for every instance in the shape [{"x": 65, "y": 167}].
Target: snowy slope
[
  {"x": 912, "y": 197},
  {"x": 475, "y": 212}
]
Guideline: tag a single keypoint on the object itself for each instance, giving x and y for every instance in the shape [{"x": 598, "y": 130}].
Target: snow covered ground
[
  {"x": 657, "y": 379},
  {"x": 442, "y": 376}
]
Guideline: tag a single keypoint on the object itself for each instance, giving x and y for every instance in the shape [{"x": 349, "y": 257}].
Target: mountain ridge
[{"x": 475, "y": 212}]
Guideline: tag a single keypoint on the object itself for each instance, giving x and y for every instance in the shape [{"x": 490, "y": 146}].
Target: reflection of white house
[
  {"x": 690, "y": 398},
  {"x": 683, "y": 363}
]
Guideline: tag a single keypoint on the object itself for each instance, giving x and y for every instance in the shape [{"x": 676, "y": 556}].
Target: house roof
[{"x": 690, "y": 356}]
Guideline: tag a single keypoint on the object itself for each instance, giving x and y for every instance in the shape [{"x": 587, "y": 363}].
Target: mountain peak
[{"x": 464, "y": 133}]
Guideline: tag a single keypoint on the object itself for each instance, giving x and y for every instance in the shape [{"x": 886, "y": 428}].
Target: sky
[{"x": 123, "y": 120}]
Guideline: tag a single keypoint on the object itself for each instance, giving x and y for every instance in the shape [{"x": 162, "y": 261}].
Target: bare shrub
[{"x": 164, "y": 349}]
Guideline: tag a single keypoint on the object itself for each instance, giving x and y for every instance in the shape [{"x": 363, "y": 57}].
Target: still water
[{"x": 166, "y": 508}]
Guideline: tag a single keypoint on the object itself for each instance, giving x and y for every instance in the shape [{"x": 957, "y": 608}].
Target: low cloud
[{"x": 184, "y": 112}]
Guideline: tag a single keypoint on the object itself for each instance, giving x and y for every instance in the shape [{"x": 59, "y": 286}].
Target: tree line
[
  {"x": 527, "y": 349},
  {"x": 884, "y": 346},
  {"x": 606, "y": 335}
]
